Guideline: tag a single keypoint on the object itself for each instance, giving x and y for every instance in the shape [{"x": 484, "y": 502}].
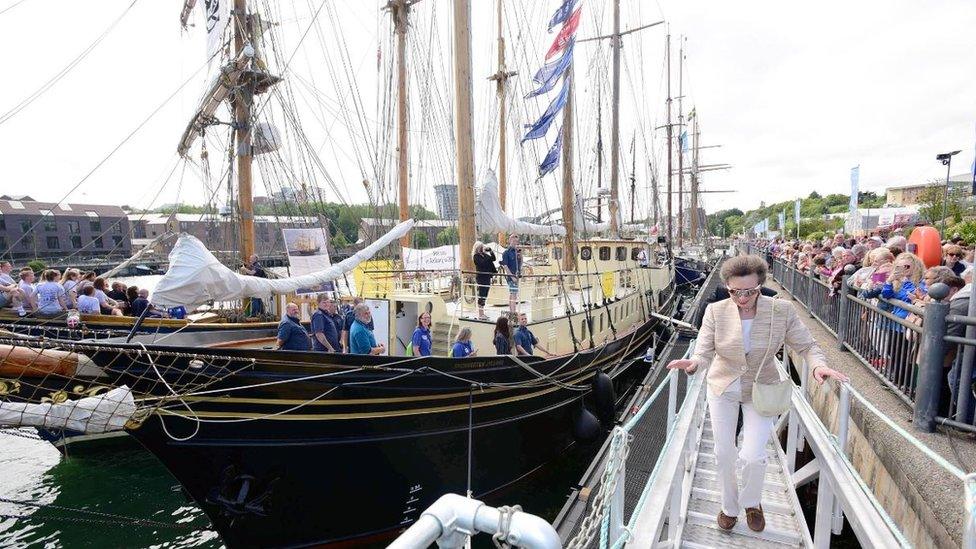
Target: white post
[
  {"x": 825, "y": 501},
  {"x": 843, "y": 423}
]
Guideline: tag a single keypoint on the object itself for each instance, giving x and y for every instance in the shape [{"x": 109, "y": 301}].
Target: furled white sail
[
  {"x": 585, "y": 226},
  {"x": 98, "y": 414},
  {"x": 492, "y": 219},
  {"x": 196, "y": 277}
]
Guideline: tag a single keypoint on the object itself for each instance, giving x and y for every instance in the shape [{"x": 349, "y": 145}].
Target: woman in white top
[
  {"x": 107, "y": 304},
  {"x": 70, "y": 283},
  {"x": 51, "y": 297},
  {"x": 87, "y": 302}
]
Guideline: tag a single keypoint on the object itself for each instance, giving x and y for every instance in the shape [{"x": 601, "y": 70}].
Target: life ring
[{"x": 927, "y": 244}]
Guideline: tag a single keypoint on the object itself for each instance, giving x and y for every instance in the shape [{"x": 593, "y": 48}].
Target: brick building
[{"x": 31, "y": 229}]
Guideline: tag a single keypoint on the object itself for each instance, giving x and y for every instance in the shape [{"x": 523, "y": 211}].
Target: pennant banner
[
  {"x": 549, "y": 74},
  {"x": 796, "y": 212},
  {"x": 562, "y": 13},
  {"x": 541, "y": 126},
  {"x": 564, "y": 36},
  {"x": 855, "y": 176},
  {"x": 782, "y": 222},
  {"x": 216, "y": 15},
  {"x": 551, "y": 160}
]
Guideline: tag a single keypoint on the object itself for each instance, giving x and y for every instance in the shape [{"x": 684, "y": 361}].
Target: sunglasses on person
[
  {"x": 954, "y": 255},
  {"x": 749, "y": 292}
]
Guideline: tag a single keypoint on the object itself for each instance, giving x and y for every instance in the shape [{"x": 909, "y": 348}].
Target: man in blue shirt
[
  {"x": 525, "y": 339},
  {"x": 361, "y": 339},
  {"x": 512, "y": 261},
  {"x": 348, "y": 322},
  {"x": 325, "y": 336},
  {"x": 291, "y": 334}
]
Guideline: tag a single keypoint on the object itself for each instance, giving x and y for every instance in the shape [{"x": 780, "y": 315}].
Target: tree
[
  {"x": 814, "y": 195},
  {"x": 420, "y": 240},
  {"x": 339, "y": 240},
  {"x": 36, "y": 265},
  {"x": 448, "y": 236},
  {"x": 931, "y": 199}
]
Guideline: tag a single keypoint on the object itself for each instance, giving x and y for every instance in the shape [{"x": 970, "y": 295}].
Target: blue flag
[
  {"x": 551, "y": 160},
  {"x": 562, "y": 13},
  {"x": 541, "y": 126},
  {"x": 683, "y": 139},
  {"x": 549, "y": 74}
]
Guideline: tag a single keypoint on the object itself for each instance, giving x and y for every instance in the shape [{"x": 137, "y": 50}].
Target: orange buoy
[
  {"x": 17, "y": 361},
  {"x": 928, "y": 245}
]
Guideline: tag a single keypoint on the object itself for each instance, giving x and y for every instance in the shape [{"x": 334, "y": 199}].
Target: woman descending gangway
[{"x": 737, "y": 344}]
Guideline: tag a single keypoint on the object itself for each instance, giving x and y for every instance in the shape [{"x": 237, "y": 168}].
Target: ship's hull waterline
[{"x": 365, "y": 460}]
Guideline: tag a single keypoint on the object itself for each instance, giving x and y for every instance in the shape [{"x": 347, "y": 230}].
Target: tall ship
[{"x": 295, "y": 448}]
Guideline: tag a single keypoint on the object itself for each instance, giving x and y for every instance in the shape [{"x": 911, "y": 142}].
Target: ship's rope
[{"x": 88, "y": 516}]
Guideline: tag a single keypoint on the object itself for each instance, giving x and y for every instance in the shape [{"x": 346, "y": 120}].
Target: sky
[{"x": 795, "y": 94}]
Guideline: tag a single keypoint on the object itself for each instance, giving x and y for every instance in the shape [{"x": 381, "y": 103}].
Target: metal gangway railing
[{"x": 678, "y": 504}]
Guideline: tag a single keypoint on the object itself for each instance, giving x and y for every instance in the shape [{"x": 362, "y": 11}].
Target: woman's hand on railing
[
  {"x": 822, "y": 373},
  {"x": 685, "y": 364}
]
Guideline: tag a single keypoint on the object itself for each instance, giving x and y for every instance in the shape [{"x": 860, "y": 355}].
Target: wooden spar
[
  {"x": 694, "y": 180},
  {"x": 599, "y": 153},
  {"x": 501, "y": 79},
  {"x": 615, "y": 125},
  {"x": 569, "y": 196},
  {"x": 463, "y": 110},
  {"x": 242, "y": 122},
  {"x": 670, "y": 145},
  {"x": 633, "y": 176},
  {"x": 399, "y": 9},
  {"x": 21, "y": 360},
  {"x": 681, "y": 149}
]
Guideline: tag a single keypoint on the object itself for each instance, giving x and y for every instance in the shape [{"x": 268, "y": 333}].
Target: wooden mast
[
  {"x": 399, "y": 9},
  {"x": 569, "y": 197},
  {"x": 501, "y": 79},
  {"x": 681, "y": 150},
  {"x": 633, "y": 176},
  {"x": 463, "y": 131},
  {"x": 694, "y": 181},
  {"x": 670, "y": 145},
  {"x": 615, "y": 124},
  {"x": 599, "y": 153},
  {"x": 242, "y": 123}
]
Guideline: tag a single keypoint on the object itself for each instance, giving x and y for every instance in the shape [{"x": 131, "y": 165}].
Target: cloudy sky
[{"x": 795, "y": 93}]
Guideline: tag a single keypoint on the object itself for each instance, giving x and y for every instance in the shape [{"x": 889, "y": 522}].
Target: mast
[
  {"x": 694, "y": 180},
  {"x": 599, "y": 153},
  {"x": 399, "y": 9},
  {"x": 569, "y": 197},
  {"x": 681, "y": 151},
  {"x": 655, "y": 193},
  {"x": 670, "y": 145},
  {"x": 242, "y": 122},
  {"x": 615, "y": 124},
  {"x": 633, "y": 176},
  {"x": 501, "y": 79},
  {"x": 463, "y": 130}
]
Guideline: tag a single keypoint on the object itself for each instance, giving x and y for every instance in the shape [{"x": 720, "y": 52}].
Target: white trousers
[{"x": 756, "y": 429}]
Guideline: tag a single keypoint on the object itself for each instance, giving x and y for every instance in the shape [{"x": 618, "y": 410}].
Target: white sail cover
[
  {"x": 196, "y": 277},
  {"x": 492, "y": 219},
  {"x": 98, "y": 414},
  {"x": 585, "y": 226}
]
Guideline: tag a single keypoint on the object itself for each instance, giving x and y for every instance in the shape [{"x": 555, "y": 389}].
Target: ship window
[
  {"x": 604, "y": 253},
  {"x": 557, "y": 253},
  {"x": 621, "y": 253},
  {"x": 586, "y": 253},
  {"x": 634, "y": 254}
]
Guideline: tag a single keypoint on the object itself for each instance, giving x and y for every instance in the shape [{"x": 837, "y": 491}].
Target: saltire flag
[
  {"x": 683, "y": 140},
  {"x": 561, "y": 13},
  {"x": 549, "y": 74},
  {"x": 551, "y": 160},
  {"x": 541, "y": 126},
  {"x": 564, "y": 36}
]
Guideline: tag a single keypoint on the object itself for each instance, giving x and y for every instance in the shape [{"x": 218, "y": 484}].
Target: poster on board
[
  {"x": 308, "y": 253},
  {"x": 442, "y": 258}
]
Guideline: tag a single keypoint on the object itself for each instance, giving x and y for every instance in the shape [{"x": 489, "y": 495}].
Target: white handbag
[{"x": 771, "y": 399}]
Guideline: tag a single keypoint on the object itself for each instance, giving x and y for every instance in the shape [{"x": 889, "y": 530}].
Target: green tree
[
  {"x": 420, "y": 240},
  {"x": 448, "y": 236},
  {"x": 932, "y": 200},
  {"x": 36, "y": 265},
  {"x": 339, "y": 240}
]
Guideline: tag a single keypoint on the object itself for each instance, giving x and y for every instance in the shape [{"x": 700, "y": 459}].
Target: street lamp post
[{"x": 946, "y": 159}]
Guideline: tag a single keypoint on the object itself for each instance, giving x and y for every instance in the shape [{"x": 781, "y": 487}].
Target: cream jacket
[{"x": 720, "y": 348}]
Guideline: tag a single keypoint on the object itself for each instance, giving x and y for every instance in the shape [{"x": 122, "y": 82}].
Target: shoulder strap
[{"x": 769, "y": 342}]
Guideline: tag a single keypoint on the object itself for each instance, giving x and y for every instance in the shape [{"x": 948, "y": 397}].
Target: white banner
[
  {"x": 216, "y": 15},
  {"x": 442, "y": 258},
  {"x": 308, "y": 253}
]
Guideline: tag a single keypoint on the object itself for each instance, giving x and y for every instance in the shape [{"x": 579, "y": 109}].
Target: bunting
[
  {"x": 549, "y": 74},
  {"x": 551, "y": 160},
  {"x": 565, "y": 35},
  {"x": 541, "y": 126},
  {"x": 561, "y": 13}
]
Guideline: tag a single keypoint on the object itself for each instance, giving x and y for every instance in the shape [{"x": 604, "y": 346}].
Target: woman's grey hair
[
  {"x": 465, "y": 333},
  {"x": 478, "y": 246},
  {"x": 744, "y": 265}
]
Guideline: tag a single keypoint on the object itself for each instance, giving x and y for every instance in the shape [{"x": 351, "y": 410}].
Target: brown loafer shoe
[
  {"x": 755, "y": 519},
  {"x": 726, "y": 522}
]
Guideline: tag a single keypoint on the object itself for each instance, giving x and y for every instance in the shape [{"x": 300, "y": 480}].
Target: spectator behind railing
[{"x": 959, "y": 305}]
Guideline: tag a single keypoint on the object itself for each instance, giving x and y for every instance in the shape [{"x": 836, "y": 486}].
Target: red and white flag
[{"x": 565, "y": 34}]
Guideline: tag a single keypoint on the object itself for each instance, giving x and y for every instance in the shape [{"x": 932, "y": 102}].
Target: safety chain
[
  {"x": 620, "y": 447},
  {"x": 505, "y": 514},
  {"x": 97, "y": 516},
  {"x": 19, "y": 432}
]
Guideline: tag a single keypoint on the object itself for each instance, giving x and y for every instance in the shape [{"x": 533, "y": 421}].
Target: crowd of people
[
  {"x": 57, "y": 293},
  {"x": 886, "y": 274}
]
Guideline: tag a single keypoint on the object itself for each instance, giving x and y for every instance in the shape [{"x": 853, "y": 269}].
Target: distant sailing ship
[
  {"x": 288, "y": 448},
  {"x": 304, "y": 245}
]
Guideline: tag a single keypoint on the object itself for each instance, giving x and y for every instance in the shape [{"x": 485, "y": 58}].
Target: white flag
[{"x": 216, "y": 15}]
